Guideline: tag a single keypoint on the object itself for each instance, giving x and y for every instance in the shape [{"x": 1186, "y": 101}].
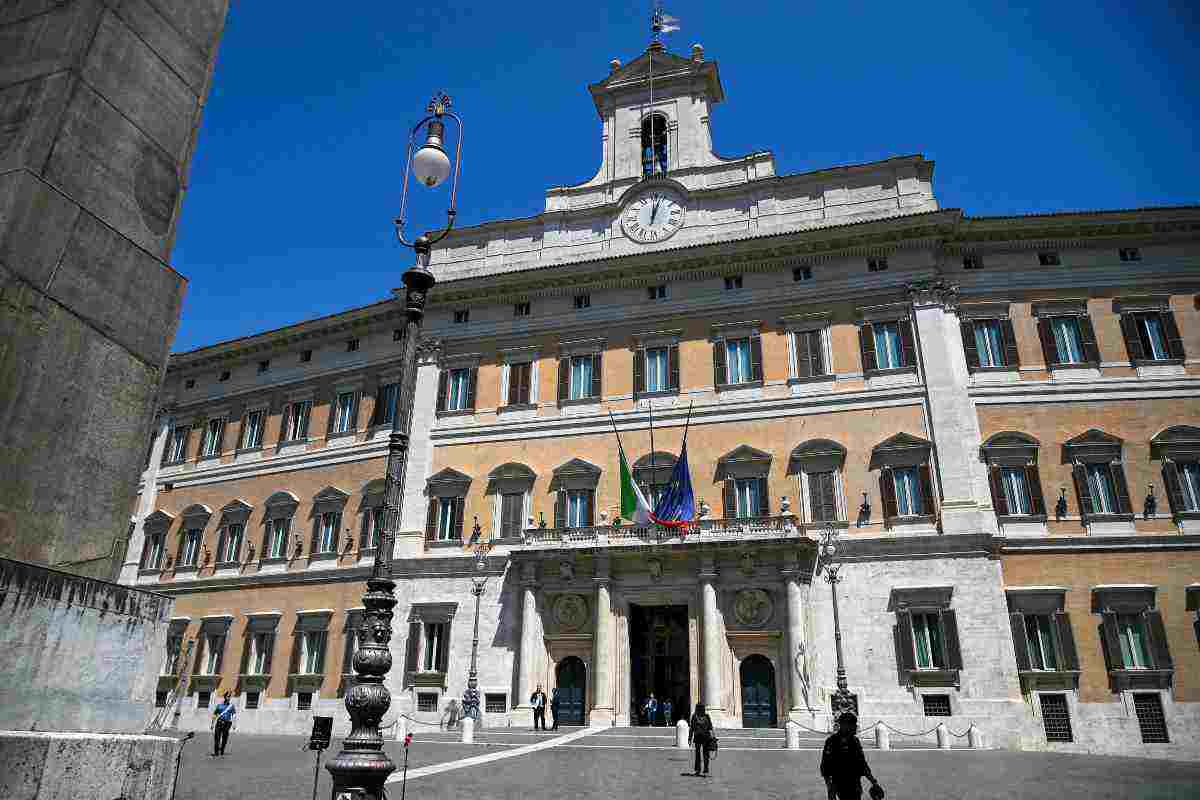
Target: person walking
[
  {"x": 222, "y": 723},
  {"x": 554, "y": 706},
  {"x": 538, "y": 701},
  {"x": 666, "y": 712},
  {"x": 650, "y": 709},
  {"x": 700, "y": 734},
  {"x": 843, "y": 763}
]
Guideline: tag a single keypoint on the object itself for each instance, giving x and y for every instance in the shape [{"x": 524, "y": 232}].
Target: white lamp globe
[{"x": 430, "y": 164}]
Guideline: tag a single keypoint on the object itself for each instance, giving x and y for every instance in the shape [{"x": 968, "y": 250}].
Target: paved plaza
[{"x": 639, "y": 762}]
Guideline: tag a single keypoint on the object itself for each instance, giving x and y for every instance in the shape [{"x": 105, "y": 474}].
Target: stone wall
[
  {"x": 77, "y": 654},
  {"x": 55, "y": 765}
]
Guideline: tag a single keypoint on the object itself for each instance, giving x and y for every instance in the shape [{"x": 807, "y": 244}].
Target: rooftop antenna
[{"x": 660, "y": 23}]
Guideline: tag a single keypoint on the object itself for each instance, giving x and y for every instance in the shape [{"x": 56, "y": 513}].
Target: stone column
[
  {"x": 146, "y": 502},
  {"x": 526, "y": 678},
  {"x": 796, "y": 701},
  {"x": 953, "y": 422},
  {"x": 713, "y": 646},
  {"x": 603, "y": 713}
]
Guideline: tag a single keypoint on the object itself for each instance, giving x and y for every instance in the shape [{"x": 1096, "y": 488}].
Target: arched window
[
  {"x": 905, "y": 480},
  {"x": 652, "y": 473},
  {"x": 574, "y": 486},
  {"x": 1100, "y": 486},
  {"x": 744, "y": 472},
  {"x": 654, "y": 145},
  {"x": 1179, "y": 450}
]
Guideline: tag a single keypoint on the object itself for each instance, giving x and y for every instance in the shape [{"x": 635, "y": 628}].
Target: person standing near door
[
  {"x": 538, "y": 701},
  {"x": 666, "y": 712},
  {"x": 555, "y": 704},
  {"x": 651, "y": 710}
]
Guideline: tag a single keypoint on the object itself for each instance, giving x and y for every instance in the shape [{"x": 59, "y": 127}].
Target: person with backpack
[{"x": 700, "y": 734}]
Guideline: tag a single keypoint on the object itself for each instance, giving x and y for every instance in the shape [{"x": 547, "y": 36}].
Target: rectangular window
[
  {"x": 972, "y": 261},
  {"x": 583, "y": 301},
  {"x": 344, "y": 413},
  {"x": 295, "y": 421},
  {"x": 305, "y": 356},
  {"x": 1151, "y": 721},
  {"x": 1130, "y": 254},
  {"x": 1103, "y": 490},
  {"x": 352, "y": 345},
  {"x": 260, "y": 652},
  {"x": 447, "y": 510},
  {"x": 376, "y": 519},
  {"x": 512, "y": 511},
  {"x": 1039, "y": 631},
  {"x": 908, "y": 492},
  {"x": 312, "y": 653},
  {"x": 435, "y": 634},
  {"x": 521, "y": 309},
  {"x": 822, "y": 496},
  {"x": 889, "y": 349},
  {"x": 581, "y": 377},
  {"x": 171, "y": 661},
  {"x": 279, "y": 537},
  {"x": 1067, "y": 340},
  {"x": 733, "y": 282},
  {"x": 578, "y": 502},
  {"x": 252, "y": 700},
  {"x": 427, "y": 701},
  {"x": 658, "y": 375},
  {"x": 213, "y": 433},
  {"x": 656, "y": 292},
  {"x": 225, "y": 376},
  {"x": 802, "y": 274},
  {"x": 160, "y": 699},
  {"x": 936, "y": 705},
  {"x": 1154, "y": 338},
  {"x": 252, "y": 429},
  {"x": 1056, "y": 718},
  {"x": 1016, "y": 490},
  {"x": 385, "y": 403},
  {"x": 154, "y": 551},
  {"x": 191, "y": 548},
  {"x": 810, "y": 353},
  {"x": 989, "y": 341},
  {"x": 1049, "y": 258},
  {"x": 520, "y": 383},
  {"x": 214, "y": 643},
  {"x": 190, "y": 383},
  {"x": 1189, "y": 484},
  {"x": 232, "y": 549},
  {"x": 304, "y": 701},
  {"x": 927, "y": 641},
  {"x": 495, "y": 703},
  {"x": 203, "y": 698},
  {"x": 458, "y": 389},
  {"x": 738, "y": 367},
  {"x": 177, "y": 448},
  {"x": 749, "y": 496},
  {"x": 877, "y": 264},
  {"x": 1135, "y": 641},
  {"x": 462, "y": 316},
  {"x": 263, "y": 366},
  {"x": 327, "y": 539}
]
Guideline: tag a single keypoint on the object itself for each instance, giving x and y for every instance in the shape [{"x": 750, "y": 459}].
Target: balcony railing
[{"x": 704, "y": 530}]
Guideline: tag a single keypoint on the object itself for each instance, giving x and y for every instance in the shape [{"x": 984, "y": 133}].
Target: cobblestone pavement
[{"x": 640, "y": 763}]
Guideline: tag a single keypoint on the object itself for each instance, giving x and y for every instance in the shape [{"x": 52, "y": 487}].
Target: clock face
[{"x": 654, "y": 216}]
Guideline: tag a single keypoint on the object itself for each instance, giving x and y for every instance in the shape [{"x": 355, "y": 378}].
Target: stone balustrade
[{"x": 748, "y": 528}]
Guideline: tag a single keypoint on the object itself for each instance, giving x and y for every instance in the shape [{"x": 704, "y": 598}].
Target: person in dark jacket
[
  {"x": 538, "y": 701},
  {"x": 843, "y": 763},
  {"x": 700, "y": 734},
  {"x": 554, "y": 706}
]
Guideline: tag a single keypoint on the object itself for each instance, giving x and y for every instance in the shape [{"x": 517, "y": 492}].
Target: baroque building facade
[{"x": 1001, "y": 416}]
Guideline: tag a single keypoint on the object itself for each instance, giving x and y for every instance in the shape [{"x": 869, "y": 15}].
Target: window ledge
[
  {"x": 178, "y": 463},
  {"x": 277, "y": 560},
  {"x": 993, "y": 369},
  {"x": 1011, "y": 519},
  {"x": 304, "y": 682},
  {"x": 1033, "y": 679},
  {"x": 1122, "y": 679},
  {"x": 517, "y": 407},
  {"x": 330, "y": 555},
  {"x": 1156, "y": 362},
  {"x": 430, "y": 679},
  {"x": 910, "y": 522},
  {"x": 147, "y": 571},
  {"x": 659, "y": 393},
  {"x": 212, "y": 457},
  {"x": 445, "y": 543},
  {"x": 796, "y": 380},
  {"x": 254, "y": 682},
  {"x": 880, "y": 373},
  {"x": 579, "y": 401},
  {"x": 206, "y": 682},
  {"x": 228, "y": 564},
  {"x": 244, "y": 450},
  {"x": 725, "y": 387},
  {"x": 934, "y": 677},
  {"x": 458, "y": 412}
]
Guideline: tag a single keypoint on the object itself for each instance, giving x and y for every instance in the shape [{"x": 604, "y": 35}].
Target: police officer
[{"x": 843, "y": 763}]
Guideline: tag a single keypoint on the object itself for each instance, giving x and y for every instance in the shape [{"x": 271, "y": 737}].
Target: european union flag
[{"x": 677, "y": 507}]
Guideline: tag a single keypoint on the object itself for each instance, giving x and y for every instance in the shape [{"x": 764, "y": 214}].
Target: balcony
[{"x": 707, "y": 530}]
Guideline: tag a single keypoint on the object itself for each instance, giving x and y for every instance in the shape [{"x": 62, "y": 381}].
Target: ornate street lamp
[
  {"x": 478, "y": 581},
  {"x": 827, "y": 550},
  {"x": 362, "y": 766}
]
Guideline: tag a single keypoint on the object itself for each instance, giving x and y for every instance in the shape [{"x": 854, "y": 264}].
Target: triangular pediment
[
  {"x": 902, "y": 441},
  {"x": 158, "y": 520},
  {"x": 196, "y": 510},
  {"x": 1178, "y": 434},
  {"x": 665, "y": 63},
  {"x": 449, "y": 475},
  {"x": 282, "y": 498},
  {"x": 331, "y": 494},
  {"x": 576, "y": 466},
  {"x": 743, "y": 453},
  {"x": 1010, "y": 439},
  {"x": 1094, "y": 437},
  {"x": 236, "y": 506},
  {"x": 673, "y": 76}
]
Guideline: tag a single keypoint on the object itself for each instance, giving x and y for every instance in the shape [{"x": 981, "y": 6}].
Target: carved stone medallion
[
  {"x": 752, "y": 607},
  {"x": 570, "y": 611}
]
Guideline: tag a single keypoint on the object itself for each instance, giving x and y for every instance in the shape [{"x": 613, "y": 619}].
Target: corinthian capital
[
  {"x": 428, "y": 350},
  {"x": 933, "y": 293}
]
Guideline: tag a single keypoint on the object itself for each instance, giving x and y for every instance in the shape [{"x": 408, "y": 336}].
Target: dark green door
[
  {"x": 572, "y": 691},
  {"x": 758, "y": 693}
]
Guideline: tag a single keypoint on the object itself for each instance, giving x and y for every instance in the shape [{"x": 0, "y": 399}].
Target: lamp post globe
[{"x": 430, "y": 164}]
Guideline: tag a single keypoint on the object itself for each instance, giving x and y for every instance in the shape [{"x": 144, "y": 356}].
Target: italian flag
[{"x": 633, "y": 502}]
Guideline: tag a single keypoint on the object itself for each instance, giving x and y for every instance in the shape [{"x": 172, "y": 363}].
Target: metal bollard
[
  {"x": 883, "y": 739},
  {"x": 468, "y": 729},
  {"x": 681, "y": 734},
  {"x": 974, "y": 737},
  {"x": 943, "y": 737},
  {"x": 791, "y": 735}
]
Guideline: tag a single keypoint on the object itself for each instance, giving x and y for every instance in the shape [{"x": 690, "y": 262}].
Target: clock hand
[{"x": 654, "y": 210}]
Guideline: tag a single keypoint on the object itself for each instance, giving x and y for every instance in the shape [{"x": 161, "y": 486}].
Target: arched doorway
[
  {"x": 571, "y": 679},
  {"x": 758, "y": 692}
]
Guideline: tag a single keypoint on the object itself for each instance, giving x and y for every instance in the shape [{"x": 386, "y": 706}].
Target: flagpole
[{"x": 653, "y": 471}]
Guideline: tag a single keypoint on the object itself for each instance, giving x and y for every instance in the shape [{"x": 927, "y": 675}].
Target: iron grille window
[
  {"x": 1049, "y": 259},
  {"x": 305, "y": 356},
  {"x": 521, "y": 309},
  {"x": 190, "y": 383},
  {"x": 304, "y": 701},
  {"x": 1149, "y": 710},
  {"x": 802, "y": 274},
  {"x": 1056, "y": 718},
  {"x": 462, "y": 316},
  {"x": 252, "y": 700},
  {"x": 972, "y": 262},
  {"x": 203, "y": 699},
  {"x": 427, "y": 701},
  {"x": 583, "y": 301},
  {"x": 1130, "y": 254},
  {"x": 495, "y": 703},
  {"x": 877, "y": 264},
  {"x": 733, "y": 283},
  {"x": 263, "y": 366},
  {"x": 351, "y": 345},
  {"x": 657, "y": 292},
  {"x": 936, "y": 705},
  {"x": 160, "y": 699}
]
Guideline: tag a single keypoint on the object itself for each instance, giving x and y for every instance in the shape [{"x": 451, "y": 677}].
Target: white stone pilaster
[
  {"x": 603, "y": 712},
  {"x": 528, "y": 660},
  {"x": 796, "y": 705},
  {"x": 146, "y": 503},
  {"x": 714, "y": 648},
  {"x": 414, "y": 504}
]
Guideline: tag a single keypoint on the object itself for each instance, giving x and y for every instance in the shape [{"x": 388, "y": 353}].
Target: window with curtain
[
  {"x": 154, "y": 551},
  {"x": 1067, "y": 340},
  {"x": 312, "y": 652},
  {"x": 214, "y": 643},
  {"x": 738, "y": 361},
  {"x": 1016, "y": 490},
  {"x": 1039, "y": 632},
  {"x": 908, "y": 492},
  {"x": 578, "y": 501},
  {"x": 331, "y": 523},
  {"x": 458, "y": 389},
  {"x": 989, "y": 341},
  {"x": 1102, "y": 488},
  {"x": 435, "y": 634},
  {"x": 512, "y": 512},
  {"x": 260, "y": 650},
  {"x": 889, "y": 349},
  {"x": 581, "y": 377},
  {"x": 447, "y": 508},
  {"x": 344, "y": 413},
  {"x": 191, "y": 548},
  {"x": 376, "y": 519},
  {"x": 749, "y": 496},
  {"x": 1189, "y": 484},
  {"x": 252, "y": 429},
  {"x": 1135, "y": 641},
  {"x": 385, "y": 403},
  {"x": 295, "y": 421},
  {"x": 1154, "y": 338},
  {"x": 280, "y": 528},
  {"x": 212, "y": 438},
  {"x": 177, "y": 447},
  {"x": 658, "y": 376},
  {"x": 928, "y": 641},
  {"x": 232, "y": 543}
]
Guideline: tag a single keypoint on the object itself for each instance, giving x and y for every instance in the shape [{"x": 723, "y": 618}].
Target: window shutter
[
  {"x": 969, "y": 347},
  {"x": 1118, "y": 473},
  {"x": 460, "y": 507},
  {"x": 1087, "y": 337},
  {"x": 764, "y": 498},
  {"x": 364, "y": 530},
  {"x": 526, "y": 383},
  {"x": 1068, "y": 656},
  {"x": 597, "y": 372},
  {"x": 756, "y": 359},
  {"x": 589, "y": 518},
  {"x": 729, "y": 499},
  {"x": 1158, "y": 640},
  {"x": 443, "y": 653},
  {"x": 166, "y": 453},
  {"x": 443, "y": 389},
  {"x": 950, "y": 634},
  {"x": 179, "y": 549},
  {"x": 316, "y": 535},
  {"x": 431, "y": 520},
  {"x": 1083, "y": 492},
  {"x": 297, "y": 645},
  {"x": 270, "y": 646},
  {"x": 639, "y": 370},
  {"x": 673, "y": 366},
  {"x": 719, "y": 373},
  {"x": 348, "y": 648},
  {"x": 241, "y": 442},
  {"x": 1020, "y": 644},
  {"x": 906, "y": 339},
  {"x": 804, "y": 366},
  {"x": 514, "y": 384},
  {"x": 1033, "y": 480},
  {"x": 333, "y": 412},
  {"x": 354, "y": 410},
  {"x": 887, "y": 496},
  {"x": 285, "y": 422},
  {"x": 1133, "y": 342},
  {"x": 410, "y": 647},
  {"x": 266, "y": 537},
  {"x": 866, "y": 346},
  {"x": 1012, "y": 357},
  {"x": 322, "y": 641},
  {"x": 145, "y": 550},
  {"x": 817, "y": 351},
  {"x": 560, "y": 509},
  {"x": 1049, "y": 348},
  {"x": 904, "y": 641},
  {"x": 999, "y": 499},
  {"x": 926, "y": 481},
  {"x": 1174, "y": 340},
  {"x": 1112, "y": 640},
  {"x": 221, "y": 534},
  {"x": 247, "y": 638},
  {"x": 472, "y": 384},
  {"x": 220, "y": 654},
  {"x": 200, "y": 642},
  {"x": 564, "y": 379},
  {"x": 1174, "y": 488},
  {"x": 377, "y": 412}
]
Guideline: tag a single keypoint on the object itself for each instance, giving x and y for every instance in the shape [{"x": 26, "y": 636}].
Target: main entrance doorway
[
  {"x": 758, "y": 692},
  {"x": 658, "y": 654},
  {"x": 571, "y": 679}
]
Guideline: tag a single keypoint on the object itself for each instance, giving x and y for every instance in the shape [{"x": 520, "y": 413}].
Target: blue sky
[{"x": 1048, "y": 107}]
